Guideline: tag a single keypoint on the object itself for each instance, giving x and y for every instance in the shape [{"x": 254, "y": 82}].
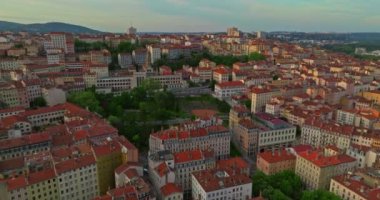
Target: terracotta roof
[
  {"x": 16, "y": 183},
  {"x": 75, "y": 163},
  {"x": 221, "y": 71},
  {"x": 236, "y": 162},
  {"x": 247, "y": 123},
  {"x": 125, "y": 167},
  {"x": 10, "y": 164},
  {"x": 162, "y": 169},
  {"x": 106, "y": 149},
  {"x": 318, "y": 159},
  {"x": 25, "y": 140},
  {"x": 12, "y": 109},
  {"x": 40, "y": 176},
  {"x": 169, "y": 189},
  {"x": 230, "y": 84},
  {"x": 356, "y": 184},
  {"x": 276, "y": 156},
  {"x": 212, "y": 180},
  {"x": 188, "y": 156}
]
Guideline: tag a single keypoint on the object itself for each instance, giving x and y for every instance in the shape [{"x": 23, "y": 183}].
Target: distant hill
[{"x": 46, "y": 27}]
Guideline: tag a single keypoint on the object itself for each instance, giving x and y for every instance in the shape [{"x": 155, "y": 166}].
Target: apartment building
[
  {"x": 154, "y": 52},
  {"x": 11, "y": 111},
  {"x": 101, "y": 70},
  {"x": 216, "y": 138},
  {"x": 364, "y": 118},
  {"x": 205, "y": 73},
  {"x": 260, "y": 97},
  {"x": 353, "y": 187},
  {"x": 228, "y": 89},
  {"x": 115, "y": 83},
  {"x": 35, "y": 185},
  {"x": 169, "y": 81},
  {"x": 24, "y": 145},
  {"x": 274, "y": 133},
  {"x": 102, "y": 56},
  {"x": 13, "y": 95},
  {"x": 139, "y": 56},
  {"x": 272, "y": 162},
  {"x": 316, "y": 169},
  {"x": 221, "y": 75},
  {"x": 187, "y": 162},
  {"x": 33, "y": 88},
  {"x": 171, "y": 192},
  {"x": 320, "y": 133},
  {"x": 206, "y": 63},
  {"x": 221, "y": 184},
  {"x": 77, "y": 178},
  {"x": 373, "y": 96},
  {"x": 42, "y": 185},
  {"x": 125, "y": 60},
  {"x": 245, "y": 135},
  {"x": 236, "y": 114},
  {"x": 60, "y": 40}
]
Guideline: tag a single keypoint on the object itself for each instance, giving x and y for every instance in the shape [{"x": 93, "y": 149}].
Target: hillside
[{"x": 45, "y": 27}]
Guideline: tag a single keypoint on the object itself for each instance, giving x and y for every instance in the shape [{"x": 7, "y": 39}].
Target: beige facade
[
  {"x": 260, "y": 97},
  {"x": 316, "y": 169}
]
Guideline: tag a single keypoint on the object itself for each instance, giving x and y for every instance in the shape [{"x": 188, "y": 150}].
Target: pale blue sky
[{"x": 200, "y": 15}]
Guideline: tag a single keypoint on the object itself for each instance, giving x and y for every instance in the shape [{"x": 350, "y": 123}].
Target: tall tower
[{"x": 132, "y": 30}]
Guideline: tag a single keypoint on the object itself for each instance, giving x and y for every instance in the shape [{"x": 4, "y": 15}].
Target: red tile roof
[
  {"x": 191, "y": 155},
  {"x": 25, "y": 140},
  {"x": 276, "y": 156},
  {"x": 11, "y": 164},
  {"x": 16, "y": 183},
  {"x": 318, "y": 159},
  {"x": 358, "y": 186},
  {"x": 230, "y": 84},
  {"x": 236, "y": 162},
  {"x": 40, "y": 176},
  {"x": 169, "y": 189},
  {"x": 162, "y": 169},
  {"x": 212, "y": 180},
  {"x": 221, "y": 71},
  {"x": 75, "y": 163},
  {"x": 12, "y": 109}
]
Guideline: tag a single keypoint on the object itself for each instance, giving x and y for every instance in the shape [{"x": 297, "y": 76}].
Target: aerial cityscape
[{"x": 178, "y": 99}]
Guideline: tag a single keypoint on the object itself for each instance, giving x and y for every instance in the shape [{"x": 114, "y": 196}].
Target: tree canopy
[
  {"x": 319, "y": 195},
  {"x": 283, "y": 185},
  {"x": 38, "y": 102}
]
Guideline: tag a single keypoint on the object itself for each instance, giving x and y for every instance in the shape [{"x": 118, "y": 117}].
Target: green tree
[
  {"x": 248, "y": 103},
  {"x": 319, "y": 195},
  {"x": 256, "y": 56},
  {"x": 19, "y": 46},
  {"x": 38, "y": 102},
  {"x": 259, "y": 182},
  {"x": 126, "y": 47},
  {"x": 212, "y": 85},
  {"x": 287, "y": 183},
  {"x": 86, "y": 99}
]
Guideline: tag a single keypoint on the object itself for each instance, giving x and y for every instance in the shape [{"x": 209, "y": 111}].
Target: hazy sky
[{"x": 200, "y": 15}]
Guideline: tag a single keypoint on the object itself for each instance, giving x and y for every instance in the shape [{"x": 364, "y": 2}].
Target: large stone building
[
  {"x": 260, "y": 97},
  {"x": 316, "y": 169},
  {"x": 216, "y": 138}
]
